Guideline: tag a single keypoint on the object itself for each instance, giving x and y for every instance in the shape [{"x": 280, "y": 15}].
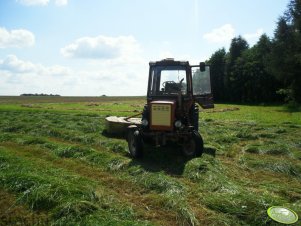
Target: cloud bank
[
  {"x": 101, "y": 47},
  {"x": 115, "y": 77},
  {"x": 16, "y": 38},
  {"x": 224, "y": 34},
  {"x": 253, "y": 37},
  {"x": 221, "y": 35},
  {"x": 14, "y": 65}
]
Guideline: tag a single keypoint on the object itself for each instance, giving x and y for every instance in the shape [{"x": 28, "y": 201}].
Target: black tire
[
  {"x": 135, "y": 143},
  {"x": 194, "y": 147}
]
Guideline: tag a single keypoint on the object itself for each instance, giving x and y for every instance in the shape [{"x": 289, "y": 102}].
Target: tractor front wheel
[
  {"x": 194, "y": 146},
  {"x": 135, "y": 144}
]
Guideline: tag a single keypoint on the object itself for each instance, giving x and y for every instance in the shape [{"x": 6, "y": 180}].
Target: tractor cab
[
  {"x": 169, "y": 79},
  {"x": 171, "y": 112}
]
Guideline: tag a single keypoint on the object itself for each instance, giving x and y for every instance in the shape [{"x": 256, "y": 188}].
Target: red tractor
[{"x": 171, "y": 112}]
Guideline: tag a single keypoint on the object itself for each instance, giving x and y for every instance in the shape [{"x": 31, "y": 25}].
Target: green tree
[
  {"x": 294, "y": 18},
  {"x": 267, "y": 83},
  {"x": 255, "y": 74},
  {"x": 286, "y": 56},
  {"x": 217, "y": 66},
  {"x": 293, "y": 14},
  {"x": 233, "y": 76},
  {"x": 253, "y": 81}
]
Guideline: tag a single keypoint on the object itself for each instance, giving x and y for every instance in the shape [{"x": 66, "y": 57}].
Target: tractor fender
[{"x": 130, "y": 129}]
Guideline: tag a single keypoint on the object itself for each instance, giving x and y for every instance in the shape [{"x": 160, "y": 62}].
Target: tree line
[
  {"x": 39, "y": 94},
  {"x": 269, "y": 71}
]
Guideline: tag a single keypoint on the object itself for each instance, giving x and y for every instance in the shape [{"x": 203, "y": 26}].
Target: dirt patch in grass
[
  {"x": 13, "y": 213},
  {"x": 93, "y": 104},
  {"x": 223, "y": 110}
]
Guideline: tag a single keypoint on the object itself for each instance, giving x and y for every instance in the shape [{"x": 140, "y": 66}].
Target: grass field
[{"x": 57, "y": 167}]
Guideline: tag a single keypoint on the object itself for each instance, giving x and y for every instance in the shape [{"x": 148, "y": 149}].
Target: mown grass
[
  {"x": 68, "y": 198},
  {"x": 55, "y": 158}
]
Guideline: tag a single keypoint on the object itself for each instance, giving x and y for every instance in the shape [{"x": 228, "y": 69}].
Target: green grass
[
  {"x": 55, "y": 159},
  {"x": 68, "y": 198}
]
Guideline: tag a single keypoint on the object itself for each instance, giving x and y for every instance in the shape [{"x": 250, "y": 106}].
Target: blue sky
[{"x": 95, "y": 47}]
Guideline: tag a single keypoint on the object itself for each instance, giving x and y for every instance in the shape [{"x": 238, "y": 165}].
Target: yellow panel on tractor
[{"x": 162, "y": 115}]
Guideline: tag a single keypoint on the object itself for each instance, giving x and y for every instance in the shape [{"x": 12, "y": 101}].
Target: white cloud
[
  {"x": 13, "y": 64},
  {"x": 253, "y": 37},
  {"x": 42, "y": 2},
  {"x": 180, "y": 56},
  {"x": 110, "y": 77},
  {"x": 223, "y": 34},
  {"x": 115, "y": 66},
  {"x": 16, "y": 66},
  {"x": 61, "y": 2},
  {"x": 33, "y": 2},
  {"x": 16, "y": 38},
  {"x": 102, "y": 47},
  {"x": 18, "y": 76}
]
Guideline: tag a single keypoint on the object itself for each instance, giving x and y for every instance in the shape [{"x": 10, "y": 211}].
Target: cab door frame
[{"x": 205, "y": 100}]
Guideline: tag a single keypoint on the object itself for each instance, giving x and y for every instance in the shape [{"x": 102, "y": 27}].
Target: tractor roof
[{"x": 168, "y": 62}]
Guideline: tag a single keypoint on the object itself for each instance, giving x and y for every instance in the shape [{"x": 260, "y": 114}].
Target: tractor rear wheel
[
  {"x": 194, "y": 146},
  {"x": 135, "y": 144}
]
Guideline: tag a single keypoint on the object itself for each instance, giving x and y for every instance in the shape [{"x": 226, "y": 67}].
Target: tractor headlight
[
  {"x": 178, "y": 124},
  {"x": 144, "y": 122}
]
